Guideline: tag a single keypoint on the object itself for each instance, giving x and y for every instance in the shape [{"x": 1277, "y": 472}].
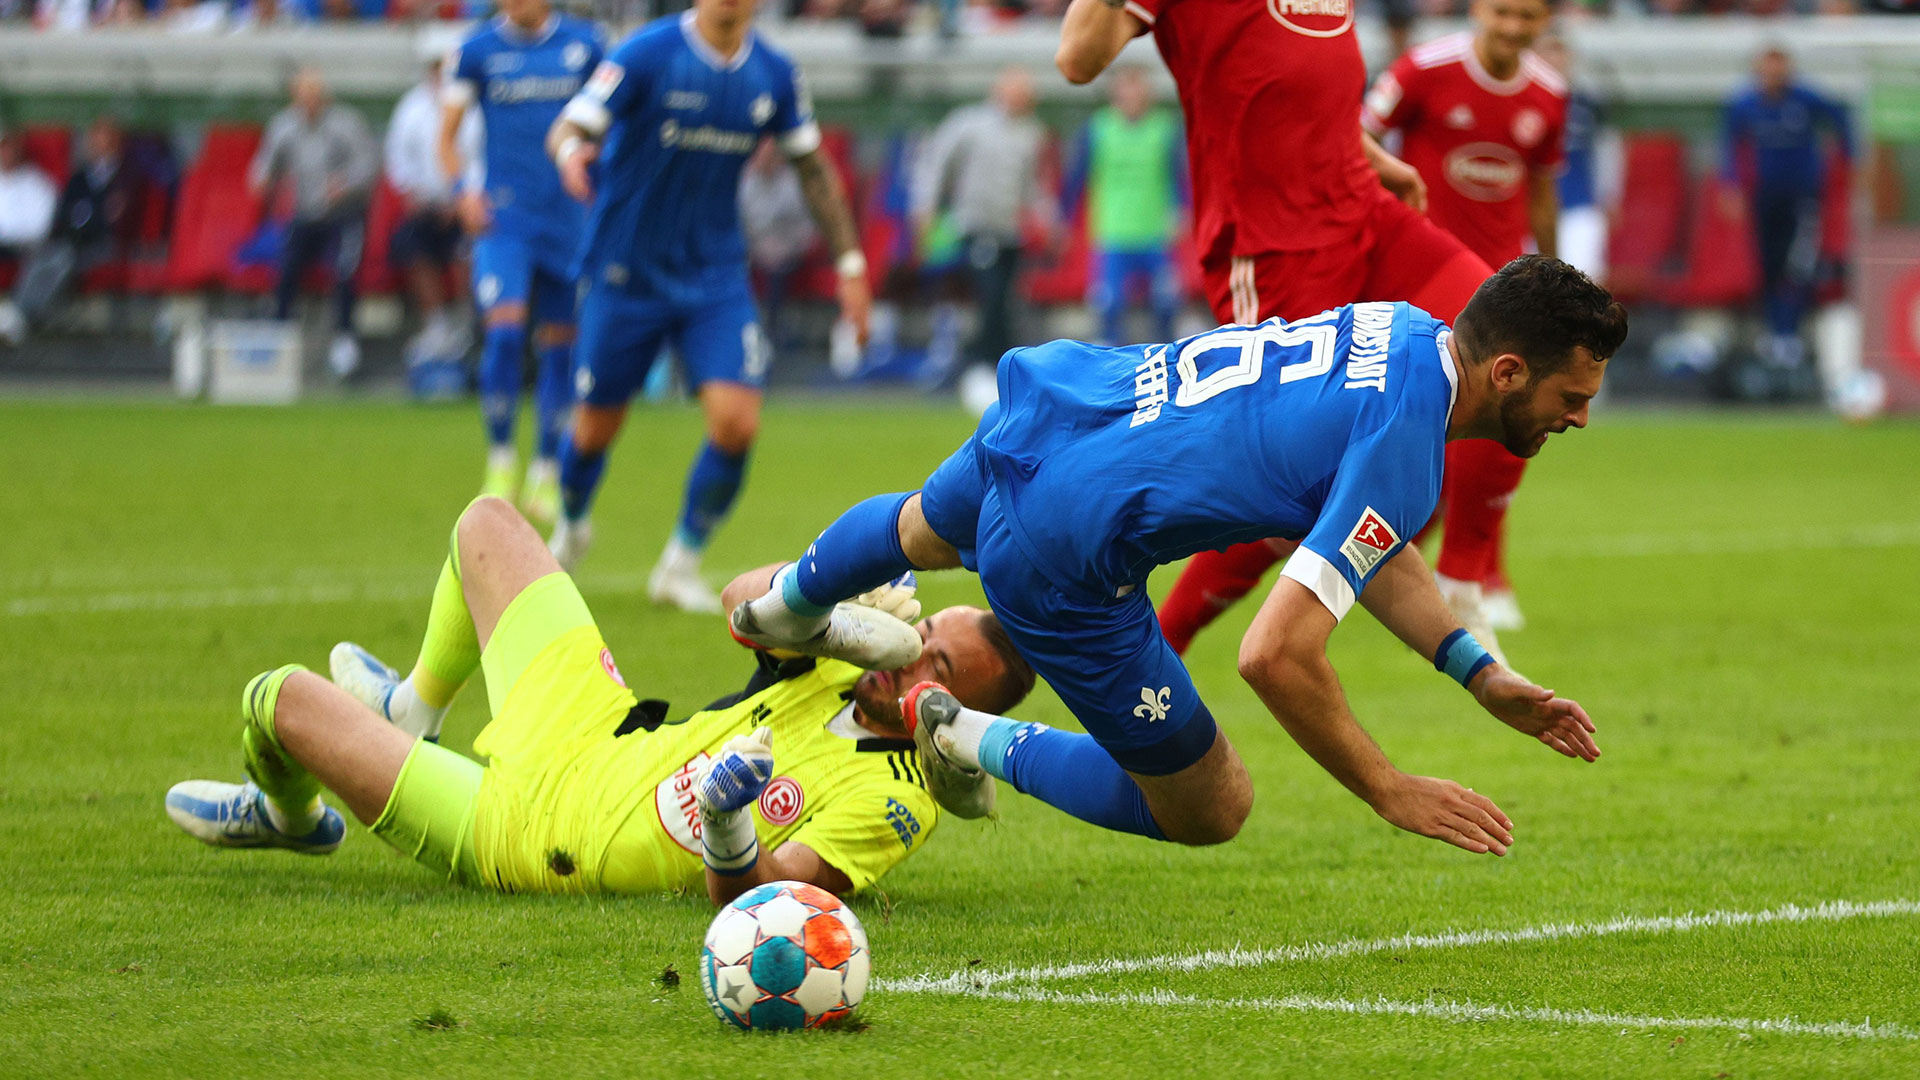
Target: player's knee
[
  {"x": 734, "y": 431},
  {"x": 484, "y": 517},
  {"x": 1214, "y": 824}
]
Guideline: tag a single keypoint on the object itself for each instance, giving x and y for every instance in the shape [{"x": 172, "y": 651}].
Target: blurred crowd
[{"x": 878, "y": 18}]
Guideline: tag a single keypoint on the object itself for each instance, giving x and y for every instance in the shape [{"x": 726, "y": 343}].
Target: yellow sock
[{"x": 450, "y": 653}]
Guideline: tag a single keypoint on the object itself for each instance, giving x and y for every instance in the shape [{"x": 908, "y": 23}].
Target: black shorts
[{"x": 425, "y": 237}]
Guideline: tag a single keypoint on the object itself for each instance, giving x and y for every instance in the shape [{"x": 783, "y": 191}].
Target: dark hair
[
  {"x": 1018, "y": 682},
  {"x": 1542, "y": 310}
]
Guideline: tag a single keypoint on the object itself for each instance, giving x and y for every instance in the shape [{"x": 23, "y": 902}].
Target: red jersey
[
  {"x": 1475, "y": 139},
  {"x": 1271, "y": 91}
]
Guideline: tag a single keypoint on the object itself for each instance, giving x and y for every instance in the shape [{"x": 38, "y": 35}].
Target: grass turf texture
[{"x": 1733, "y": 599}]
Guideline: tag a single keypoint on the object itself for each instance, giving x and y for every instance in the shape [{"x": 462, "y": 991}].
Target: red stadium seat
[
  {"x": 50, "y": 148},
  {"x": 1721, "y": 268},
  {"x": 216, "y": 212},
  {"x": 1645, "y": 236},
  {"x": 383, "y": 216}
]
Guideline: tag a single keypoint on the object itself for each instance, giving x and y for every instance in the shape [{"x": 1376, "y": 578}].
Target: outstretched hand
[
  {"x": 1534, "y": 710},
  {"x": 1446, "y": 811}
]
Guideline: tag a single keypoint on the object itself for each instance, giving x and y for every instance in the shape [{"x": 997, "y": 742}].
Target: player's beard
[
  {"x": 1518, "y": 432},
  {"x": 878, "y": 702}
]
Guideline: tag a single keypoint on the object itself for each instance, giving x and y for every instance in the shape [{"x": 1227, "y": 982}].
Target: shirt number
[{"x": 1247, "y": 346}]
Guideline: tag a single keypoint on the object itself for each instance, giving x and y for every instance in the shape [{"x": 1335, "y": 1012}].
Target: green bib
[{"x": 1130, "y": 182}]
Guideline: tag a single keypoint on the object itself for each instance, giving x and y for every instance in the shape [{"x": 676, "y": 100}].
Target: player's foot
[
  {"x": 235, "y": 815},
  {"x": 676, "y": 581},
  {"x": 540, "y": 492},
  {"x": 1502, "y": 609},
  {"x": 963, "y": 792},
  {"x": 503, "y": 467},
  {"x": 380, "y": 688},
  {"x": 343, "y": 356},
  {"x": 863, "y": 636},
  {"x": 1468, "y": 604},
  {"x": 570, "y": 541}
]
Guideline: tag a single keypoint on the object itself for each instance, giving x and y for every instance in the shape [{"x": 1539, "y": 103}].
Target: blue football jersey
[
  {"x": 521, "y": 82},
  {"x": 1110, "y": 462},
  {"x": 678, "y": 122}
]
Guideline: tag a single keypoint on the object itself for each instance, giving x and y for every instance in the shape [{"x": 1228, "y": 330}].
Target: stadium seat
[
  {"x": 383, "y": 216},
  {"x": 1643, "y": 240},
  {"x": 1720, "y": 268},
  {"x": 216, "y": 211},
  {"x": 50, "y": 148}
]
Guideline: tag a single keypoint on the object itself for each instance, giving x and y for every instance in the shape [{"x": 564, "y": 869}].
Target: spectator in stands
[
  {"x": 91, "y": 224},
  {"x": 1585, "y": 211},
  {"x": 324, "y": 154},
  {"x": 426, "y": 243},
  {"x": 983, "y": 165},
  {"x": 27, "y": 199},
  {"x": 1775, "y": 148},
  {"x": 1130, "y": 165},
  {"x": 779, "y": 229}
]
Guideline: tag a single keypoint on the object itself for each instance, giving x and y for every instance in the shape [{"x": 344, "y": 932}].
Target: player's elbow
[
  {"x": 1075, "y": 65},
  {"x": 1271, "y": 662}
]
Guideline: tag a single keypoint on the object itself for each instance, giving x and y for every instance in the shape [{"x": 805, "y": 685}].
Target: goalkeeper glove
[
  {"x": 726, "y": 792},
  {"x": 896, "y": 598}
]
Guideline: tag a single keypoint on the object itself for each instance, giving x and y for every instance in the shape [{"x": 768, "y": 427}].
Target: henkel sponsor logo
[
  {"x": 678, "y": 807},
  {"x": 781, "y": 803},
  {"x": 1485, "y": 172},
  {"x": 1313, "y": 18}
]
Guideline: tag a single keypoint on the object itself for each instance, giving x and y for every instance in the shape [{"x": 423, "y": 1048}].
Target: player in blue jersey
[
  {"x": 1100, "y": 464},
  {"x": 657, "y": 140},
  {"x": 520, "y": 70}
]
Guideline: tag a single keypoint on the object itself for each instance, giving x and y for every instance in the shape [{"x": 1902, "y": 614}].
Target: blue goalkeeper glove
[{"x": 726, "y": 792}]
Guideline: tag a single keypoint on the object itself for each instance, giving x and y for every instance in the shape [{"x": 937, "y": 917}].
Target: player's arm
[
  {"x": 1284, "y": 658},
  {"x": 792, "y": 861},
  {"x": 573, "y": 142},
  {"x": 1398, "y": 177},
  {"x": 726, "y": 793},
  {"x": 1404, "y": 597},
  {"x": 1543, "y": 210},
  {"x": 1092, "y": 35},
  {"x": 827, "y": 201}
]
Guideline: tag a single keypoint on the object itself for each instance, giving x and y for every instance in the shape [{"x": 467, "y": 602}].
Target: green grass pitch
[{"x": 1736, "y": 600}]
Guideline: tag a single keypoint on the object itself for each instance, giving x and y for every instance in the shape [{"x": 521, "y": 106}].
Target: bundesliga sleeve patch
[
  {"x": 606, "y": 79},
  {"x": 1369, "y": 541}
]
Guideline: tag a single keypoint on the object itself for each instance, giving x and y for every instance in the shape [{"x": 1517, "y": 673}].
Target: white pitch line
[
  {"x": 1463, "y": 1012},
  {"x": 975, "y": 982}
]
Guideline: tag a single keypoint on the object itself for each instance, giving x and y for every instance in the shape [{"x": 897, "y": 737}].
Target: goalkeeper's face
[{"x": 956, "y": 654}]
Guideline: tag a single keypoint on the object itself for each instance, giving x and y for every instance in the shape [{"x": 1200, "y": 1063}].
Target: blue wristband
[{"x": 1461, "y": 657}]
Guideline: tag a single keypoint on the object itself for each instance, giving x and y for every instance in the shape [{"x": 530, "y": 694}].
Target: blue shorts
[
  {"x": 1104, "y": 656},
  {"x": 1116, "y": 271},
  {"x": 516, "y": 270},
  {"x": 621, "y": 333}
]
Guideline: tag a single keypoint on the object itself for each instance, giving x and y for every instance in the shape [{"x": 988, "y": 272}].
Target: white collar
[
  {"x": 844, "y": 725},
  {"x": 1446, "y": 365},
  {"x": 506, "y": 28},
  {"x": 1480, "y": 75},
  {"x": 710, "y": 54}
]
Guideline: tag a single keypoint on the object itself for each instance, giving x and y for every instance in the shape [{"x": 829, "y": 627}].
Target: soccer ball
[{"x": 784, "y": 955}]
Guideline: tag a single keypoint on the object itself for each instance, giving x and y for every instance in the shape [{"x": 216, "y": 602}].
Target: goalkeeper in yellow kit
[{"x": 808, "y": 773}]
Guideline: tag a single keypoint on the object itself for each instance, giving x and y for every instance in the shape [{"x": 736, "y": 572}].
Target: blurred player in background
[
  {"x": 520, "y": 70},
  {"x": 1774, "y": 149},
  {"x": 1307, "y": 215},
  {"x": 1586, "y": 198},
  {"x": 1481, "y": 117},
  {"x": 1130, "y": 167},
  {"x": 426, "y": 242},
  {"x": 1100, "y": 464},
  {"x": 657, "y": 140},
  {"x": 588, "y": 789}
]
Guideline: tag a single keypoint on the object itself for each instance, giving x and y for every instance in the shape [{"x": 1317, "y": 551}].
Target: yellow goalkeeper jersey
[{"x": 609, "y": 804}]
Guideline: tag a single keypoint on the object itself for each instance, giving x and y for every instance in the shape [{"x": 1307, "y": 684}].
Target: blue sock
[
  {"x": 579, "y": 479},
  {"x": 1069, "y": 772},
  {"x": 712, "y": 485},
  {"x": 553, "y": 397},
  {"x": 500, "y": 380},
  {"x": 859, "y": 551}
]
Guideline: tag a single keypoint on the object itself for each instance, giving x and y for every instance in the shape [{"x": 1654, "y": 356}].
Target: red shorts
[{"x": 1396, "y": 253}]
